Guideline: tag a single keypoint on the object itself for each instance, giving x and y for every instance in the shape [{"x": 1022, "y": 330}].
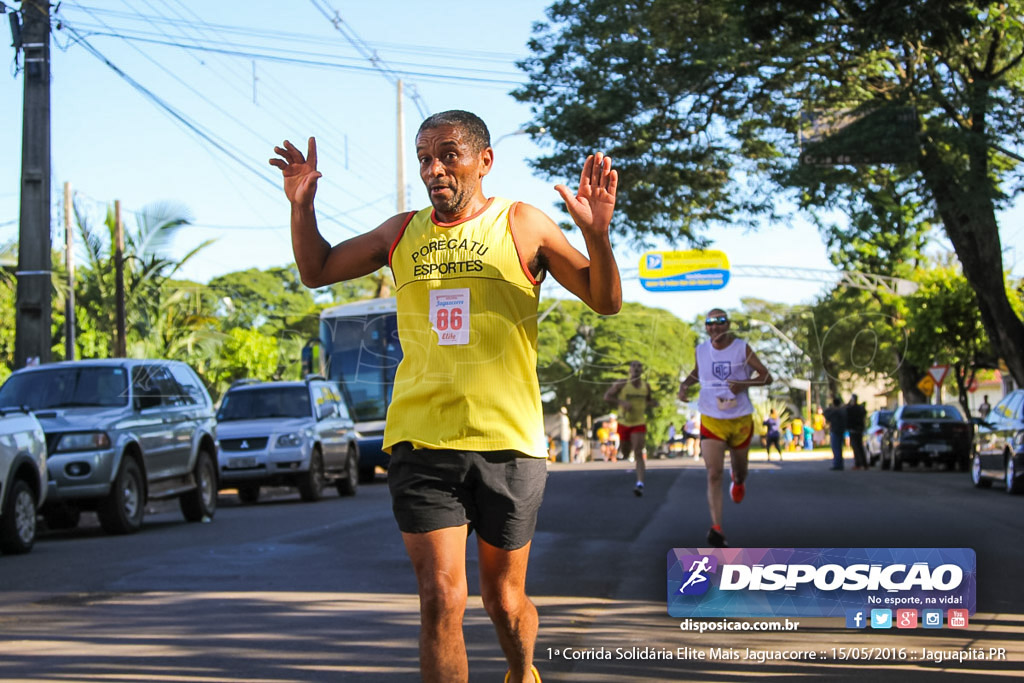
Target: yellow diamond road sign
[{"x": 926, "y": 385}]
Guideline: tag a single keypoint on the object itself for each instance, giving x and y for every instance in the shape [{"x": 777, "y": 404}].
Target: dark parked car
[
  {"x": 878, "y": 422},
  {"x": 120, "y": 432},
  {"x": 999, "y": 446},
  {"x": 927, "y": 434}
]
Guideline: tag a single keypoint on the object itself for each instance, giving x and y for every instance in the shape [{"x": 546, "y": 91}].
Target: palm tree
[{"x": 147, "y": 275}]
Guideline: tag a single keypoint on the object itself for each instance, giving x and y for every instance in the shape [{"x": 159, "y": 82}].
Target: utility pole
[
  {"x": 69, "y": 261},
  {"x": 401, "y": 152},
  {"x": 120, "y": 344},
  {"x": 32, "y": 336}
]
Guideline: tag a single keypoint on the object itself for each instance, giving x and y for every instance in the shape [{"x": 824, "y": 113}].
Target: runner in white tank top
[{"x": 725, "y": 368}]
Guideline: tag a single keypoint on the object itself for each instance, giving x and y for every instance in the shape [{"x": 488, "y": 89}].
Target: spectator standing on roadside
[
  {"x": 579, "y": 453},
  {"x": 984, "y": 409},
  {"x": 798, "y": 433},
  {"x": 772, "y": 435},
  {"x": 691, "y": 435},
  {"x": 818, "y": 422},
  {"x": 564, "y": 433},
  {"x": 613, "y": 437},
  {"x": 856, "y": 416},
  {"x": 836, "y": 417},
  {"x": 602, "y": 439}
]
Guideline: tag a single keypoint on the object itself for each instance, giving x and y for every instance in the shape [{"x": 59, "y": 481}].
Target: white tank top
[{"x": 716, "y": 368}]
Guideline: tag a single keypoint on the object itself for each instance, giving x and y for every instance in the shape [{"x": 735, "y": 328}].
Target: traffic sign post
[
  {"x": 927, "y": 386},
  {"x": 938, "y": 372}
]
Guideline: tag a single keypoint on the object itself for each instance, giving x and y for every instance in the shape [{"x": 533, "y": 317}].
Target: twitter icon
[{"x": 881, "y": 618}]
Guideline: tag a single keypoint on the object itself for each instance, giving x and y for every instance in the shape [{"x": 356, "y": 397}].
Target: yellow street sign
[{"x": 926, "y": 385}]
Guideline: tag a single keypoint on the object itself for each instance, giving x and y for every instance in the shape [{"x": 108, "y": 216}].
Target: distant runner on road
[{"x": 633, "y": 397}]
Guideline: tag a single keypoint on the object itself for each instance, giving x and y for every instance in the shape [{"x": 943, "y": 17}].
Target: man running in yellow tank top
[
  {"x": 726, "y": 367},
  {"x": 465, "y": 429},
  {"x": 633, "y": 397}
]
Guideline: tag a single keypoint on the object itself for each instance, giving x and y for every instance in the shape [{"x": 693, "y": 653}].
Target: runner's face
[
  {"x": 717, "y": 324},
  {"x": 451, "y": 170}
]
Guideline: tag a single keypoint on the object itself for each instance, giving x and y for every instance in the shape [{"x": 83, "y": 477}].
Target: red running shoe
[{"x": 737, "y": 491}]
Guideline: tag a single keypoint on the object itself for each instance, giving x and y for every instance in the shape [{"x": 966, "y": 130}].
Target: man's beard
[{"x": 459, "y": 200}]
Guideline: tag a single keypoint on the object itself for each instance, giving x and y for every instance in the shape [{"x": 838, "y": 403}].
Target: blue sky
[{"x": 258, "y": 73}]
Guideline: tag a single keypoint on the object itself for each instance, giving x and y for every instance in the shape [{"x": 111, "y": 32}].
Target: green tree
[
  {"x": 581, "y": 353},
  {"x": 148, "y": 282},
  {"x": 244, "y": 354},
  {"x": 271, "y": 301},
  {"x": 274, "y": 303},
  {"x": 945, "y": 328},
  {"x": 700, "y": 103}
]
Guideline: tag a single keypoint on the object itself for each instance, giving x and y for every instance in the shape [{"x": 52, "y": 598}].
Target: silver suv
[
  {"x": 120, "y": 432},
  {"x": 22, "y": 479},
  {"x": 286, "y": 434}
]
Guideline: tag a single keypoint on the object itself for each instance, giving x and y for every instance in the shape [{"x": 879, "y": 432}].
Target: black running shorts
[{"x": 497, "y": 493}]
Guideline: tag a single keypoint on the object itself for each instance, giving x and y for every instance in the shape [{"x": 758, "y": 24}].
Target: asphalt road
[{"x": 291, "y": 591}]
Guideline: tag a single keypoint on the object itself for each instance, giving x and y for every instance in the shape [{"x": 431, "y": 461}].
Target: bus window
[{"x": 363, "y": 353}]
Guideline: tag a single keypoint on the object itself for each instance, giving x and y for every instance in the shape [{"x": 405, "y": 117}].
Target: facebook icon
[{"x": 856, "y": 618}]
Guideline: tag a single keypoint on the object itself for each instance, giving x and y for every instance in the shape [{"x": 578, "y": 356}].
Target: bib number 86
[{"x": 449, "y": 319}]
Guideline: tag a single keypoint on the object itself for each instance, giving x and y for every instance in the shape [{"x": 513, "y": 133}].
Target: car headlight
[
  {"x": 1018, "y": 440},
  {"x": 290, "y": 440},
  {"x": 84, "y": 441}
]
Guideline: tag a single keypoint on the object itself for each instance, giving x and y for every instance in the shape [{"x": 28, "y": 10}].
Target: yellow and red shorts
[{"x": 736, "y": 432}]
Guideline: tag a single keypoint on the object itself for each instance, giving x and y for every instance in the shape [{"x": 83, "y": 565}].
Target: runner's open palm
[
  {"x": 592, "y": 206},
  {"x": 300, "y": 174}
]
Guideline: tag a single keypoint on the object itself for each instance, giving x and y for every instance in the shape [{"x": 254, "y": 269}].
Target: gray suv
[
  {"x": 120, "y": 432},
  {"x": 22, "y": 479},
  {"x": 286, "y": 434}
]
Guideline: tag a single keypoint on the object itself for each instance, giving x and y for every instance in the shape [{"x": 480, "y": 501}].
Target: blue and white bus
[{"x": 359, "y": 347}]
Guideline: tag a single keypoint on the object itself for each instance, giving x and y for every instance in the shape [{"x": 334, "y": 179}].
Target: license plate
[
  {"x": 241, "y": 463},
  {"x": 938, "y": 448}
]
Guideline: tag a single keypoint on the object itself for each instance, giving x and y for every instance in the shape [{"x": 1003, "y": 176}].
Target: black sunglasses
[{"x": 720, "y": 320}]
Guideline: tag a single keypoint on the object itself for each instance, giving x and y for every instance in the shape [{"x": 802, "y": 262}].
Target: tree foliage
[
  {"x": 581, "y": 353},
  {"x": 700, "y": 101},
  {"x": 273, "y": 301},
  {"x": 148, "y": 272}
]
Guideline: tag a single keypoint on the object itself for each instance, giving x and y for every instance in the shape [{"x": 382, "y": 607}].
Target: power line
[
  {"x": 305, "y": 38},
  {"x": 189, "y": 125},
  {"x": 325, "y": 63},
  {"x": 287, "y": 104},
  {"x": 369, "y": 53}
]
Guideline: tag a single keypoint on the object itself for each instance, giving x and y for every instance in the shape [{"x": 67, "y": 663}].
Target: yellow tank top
[
  {"x": 467, "y": 320},
  {"x": 636, "y": 400}
]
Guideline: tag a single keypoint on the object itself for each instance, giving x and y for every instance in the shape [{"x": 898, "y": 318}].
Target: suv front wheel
[
  {"x": 122, "y": 511},
  {"x": 201, "y": 502},
  {"x": 311, "y": 487},
  {"x": 349, "y": 485},
  {"x": 18, "y": 525}
]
